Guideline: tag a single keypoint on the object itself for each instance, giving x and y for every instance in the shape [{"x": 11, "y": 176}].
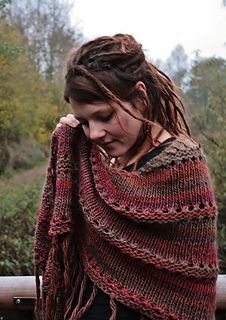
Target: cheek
[
  {"x": 116, "y": 127},
  {"x": 132, "y": 127},
  {"x": 126, "y": 126},
  {"x": 123, "y": 125}
]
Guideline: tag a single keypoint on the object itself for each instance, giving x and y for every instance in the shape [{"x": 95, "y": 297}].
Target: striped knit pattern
[{"x": 146, "y": 238}]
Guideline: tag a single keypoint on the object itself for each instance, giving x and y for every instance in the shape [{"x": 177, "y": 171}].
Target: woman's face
[{"x": 109, "y": 126}]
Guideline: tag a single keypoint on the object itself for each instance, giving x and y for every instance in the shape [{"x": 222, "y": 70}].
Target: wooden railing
[{"x": 19, "y": 292}]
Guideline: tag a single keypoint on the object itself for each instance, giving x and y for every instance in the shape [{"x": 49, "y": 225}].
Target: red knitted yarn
[{"x": 146, "y": 238}]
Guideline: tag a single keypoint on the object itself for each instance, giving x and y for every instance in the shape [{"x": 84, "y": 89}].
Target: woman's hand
[{"x": 68, "y": 120}]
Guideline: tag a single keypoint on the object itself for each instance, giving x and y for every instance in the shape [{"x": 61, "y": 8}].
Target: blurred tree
[
  {"x": 27, "y": 101},
  {"x": 177, "y": 65},
  {"x": 207, "y": 99},
  {"x": 34, "y": 39},
  {"x": 46, "y": 25},
  {"x": 4, "y": 8},
  {"x": 207, "y": 83}
]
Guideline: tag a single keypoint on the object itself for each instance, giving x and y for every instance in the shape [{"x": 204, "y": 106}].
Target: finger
[
  {"x": 72, "y": 122},
  {"x": 64, "y": 120},
  {"x": 70, "y": 116}
]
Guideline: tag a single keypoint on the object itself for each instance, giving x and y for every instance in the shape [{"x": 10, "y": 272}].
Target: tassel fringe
[
  {"x": 76, "y": 310},
  {"x": 113, "y": 308},
  {"x": 87, "y": 305}
]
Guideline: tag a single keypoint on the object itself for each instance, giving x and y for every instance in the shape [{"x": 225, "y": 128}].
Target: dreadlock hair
[{"x": 108, "y": 68}]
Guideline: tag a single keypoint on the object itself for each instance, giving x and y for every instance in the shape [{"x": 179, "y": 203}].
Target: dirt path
[{"x": 25, "y": 176}]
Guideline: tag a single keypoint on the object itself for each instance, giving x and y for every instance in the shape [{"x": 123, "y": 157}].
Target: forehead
[{"x": 87, "y": 109}]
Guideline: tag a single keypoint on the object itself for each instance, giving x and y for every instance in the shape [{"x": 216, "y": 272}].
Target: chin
[{"x": 114, "y": 154}]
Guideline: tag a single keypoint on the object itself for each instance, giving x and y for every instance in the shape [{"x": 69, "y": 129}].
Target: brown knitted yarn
[{"x": 150, "y": 236}]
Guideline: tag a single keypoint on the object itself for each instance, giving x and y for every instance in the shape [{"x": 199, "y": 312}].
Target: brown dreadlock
[{"x": 108, "y": 68}]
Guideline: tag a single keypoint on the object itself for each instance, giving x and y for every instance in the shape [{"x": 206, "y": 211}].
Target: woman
[{"x": 127, "y": 225}]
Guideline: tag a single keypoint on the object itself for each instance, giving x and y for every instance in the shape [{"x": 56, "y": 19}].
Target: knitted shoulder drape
[{"x": 146, "y": 238}]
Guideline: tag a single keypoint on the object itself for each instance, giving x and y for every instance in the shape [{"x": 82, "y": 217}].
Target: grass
[{"x": 18, "y": 210}]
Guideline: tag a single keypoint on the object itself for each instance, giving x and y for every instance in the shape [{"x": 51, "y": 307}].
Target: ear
[{"x": 141, "y": 86}]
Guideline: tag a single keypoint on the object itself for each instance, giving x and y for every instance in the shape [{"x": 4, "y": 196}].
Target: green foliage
[
  {"x": 207, "y": 99},
  {"x": 34, "y": 40},
  {"x": 18, "y": 208},
  {"x": 7, "y": 49},
  {"x": 28, "y": 103}
]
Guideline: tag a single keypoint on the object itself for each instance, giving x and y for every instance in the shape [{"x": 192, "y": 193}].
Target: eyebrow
[{"x": 93, "y": 114}]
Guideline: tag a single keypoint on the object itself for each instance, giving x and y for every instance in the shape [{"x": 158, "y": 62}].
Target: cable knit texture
[{"x": 146, "y": 238}]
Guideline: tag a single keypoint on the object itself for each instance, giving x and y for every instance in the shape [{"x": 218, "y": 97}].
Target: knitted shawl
[{"x": 146, "y": 238}]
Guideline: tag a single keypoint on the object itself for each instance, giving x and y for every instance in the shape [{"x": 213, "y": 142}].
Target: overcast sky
[{"x": 158, "y": 24}]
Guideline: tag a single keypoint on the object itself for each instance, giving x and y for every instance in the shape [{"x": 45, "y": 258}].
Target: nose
[{"x": 96, "y": 132}]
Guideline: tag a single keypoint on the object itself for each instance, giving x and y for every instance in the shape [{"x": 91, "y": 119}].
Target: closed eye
[
  {"x": 99, "y": 118},
  {"x": 106, "y": 118}
]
